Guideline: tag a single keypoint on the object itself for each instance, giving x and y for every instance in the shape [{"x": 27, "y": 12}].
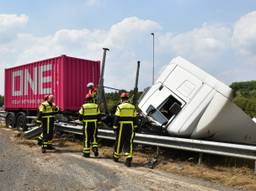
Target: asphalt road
[{"x": 24, "y": 167}]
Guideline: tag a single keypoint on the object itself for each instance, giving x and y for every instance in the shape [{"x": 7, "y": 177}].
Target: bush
[
  {"x": 245, "y": 96},
  {"x": 1, "y": 100}
]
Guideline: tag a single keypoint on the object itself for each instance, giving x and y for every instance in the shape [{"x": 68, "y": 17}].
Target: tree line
[
  {"x": 244, "y": 97},
  {"x": 1, "y": 100}
]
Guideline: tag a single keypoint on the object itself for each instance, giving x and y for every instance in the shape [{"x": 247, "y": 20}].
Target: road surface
[{"x": 23, "y": 167}]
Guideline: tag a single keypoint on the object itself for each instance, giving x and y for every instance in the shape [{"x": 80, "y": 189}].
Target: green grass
[
  {"x": 245, "y": 96},
  {"x": 248, "y": 104}
]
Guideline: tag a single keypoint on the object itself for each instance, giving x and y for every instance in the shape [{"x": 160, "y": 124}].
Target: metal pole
[
  {"x": 135, "y": 92},
  {"x": 103, "y": 65},
  {"x": 153, "y": 52},
  {"x": 101, "y": 92},
  {"x": 255, "y": 167}
]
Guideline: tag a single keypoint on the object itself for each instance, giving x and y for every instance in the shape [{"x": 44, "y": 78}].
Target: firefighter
[
  {"x": 38, "y": 121},
  {"x": 89, "y": 114},
  {"x": 125, "y": 124},
  {"x": 47, "y": 111},
  {"x": 92, "y": 91}
]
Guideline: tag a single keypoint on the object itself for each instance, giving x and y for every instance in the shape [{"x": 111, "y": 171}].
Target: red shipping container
[{"x": 65, "y": 77}]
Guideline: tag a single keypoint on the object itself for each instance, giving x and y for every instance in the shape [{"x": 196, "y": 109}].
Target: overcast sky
[{"x": 218, "y": 36}]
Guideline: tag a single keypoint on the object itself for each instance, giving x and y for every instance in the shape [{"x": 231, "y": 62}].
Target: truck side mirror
[{"x": 175, "y": 108}]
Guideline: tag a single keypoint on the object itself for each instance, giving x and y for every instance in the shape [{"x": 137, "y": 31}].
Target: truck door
[{"x": 163, "y": 105}]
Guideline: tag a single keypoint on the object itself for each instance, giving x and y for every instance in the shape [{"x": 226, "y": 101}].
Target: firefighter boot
[
  {"x": 43, "y": 150},
  {"x": 115, "y": 159},
  {"x": 95, "y": 151},
  {"x": 86, "y": 155},
  {"x": 128, "y": 162},
  {"x": 39, "y": 142},
  {"x": 50, "y": 147}
]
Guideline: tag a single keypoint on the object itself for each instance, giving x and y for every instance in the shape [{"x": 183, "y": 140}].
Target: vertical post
[
  {"x": 153, "y": 54},
  {"x": 255, "y": 167},
  {"x": 135, "y": 92},
  {"x": 200, "y": 158},
  {"x": 157, "y": 151},
  {"x": 101, "y": 92}
]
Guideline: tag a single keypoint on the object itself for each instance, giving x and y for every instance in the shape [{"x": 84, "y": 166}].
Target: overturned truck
[{"x": 185, "y": 101}]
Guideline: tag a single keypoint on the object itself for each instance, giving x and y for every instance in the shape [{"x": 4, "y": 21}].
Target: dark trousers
[
  {"x": 90, "y": 132},
  {"x": 124, "y": 140},
  {"x": 48, "y": 127}
]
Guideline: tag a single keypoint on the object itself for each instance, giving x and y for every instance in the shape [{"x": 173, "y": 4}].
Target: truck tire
[
  {"x": 21, "y": 122},
  {"x": 10, "y": 120}
]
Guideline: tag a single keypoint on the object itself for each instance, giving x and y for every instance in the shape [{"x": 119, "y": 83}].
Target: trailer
[
  {"x": 186, "y": 101},
  {"x": 65, "y": 77}
]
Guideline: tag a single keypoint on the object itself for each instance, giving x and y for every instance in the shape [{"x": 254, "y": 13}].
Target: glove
[{"x": 115, "y": 128}]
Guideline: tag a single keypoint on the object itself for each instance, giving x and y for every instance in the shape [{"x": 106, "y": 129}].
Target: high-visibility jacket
[
  {"x": 89, "y": 111},
  {"x": 93, "y": 93},
  {"x": 47, "y": 110},
  {"x": 125, "y": 112}
]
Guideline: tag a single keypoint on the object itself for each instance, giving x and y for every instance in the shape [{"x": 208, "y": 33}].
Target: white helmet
[{"x": 90, "y": 85}]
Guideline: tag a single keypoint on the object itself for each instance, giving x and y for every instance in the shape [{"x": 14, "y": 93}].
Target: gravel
[{"x": 24, "y": 167}]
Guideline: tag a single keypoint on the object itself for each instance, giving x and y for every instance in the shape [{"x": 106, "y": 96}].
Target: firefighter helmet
[
  {"x": 124, "y": 95},
  {"x": 90, "y": 85}
]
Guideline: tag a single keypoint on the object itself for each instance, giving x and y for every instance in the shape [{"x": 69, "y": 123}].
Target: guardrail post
[
  {"x": 200, "y": 158},
  {"x": 255, "y": 167},
  {"x": 157, "y": 151}
]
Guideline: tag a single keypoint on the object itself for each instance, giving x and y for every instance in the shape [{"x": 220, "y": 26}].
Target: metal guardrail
[
  {"x": 2, "y": 115},
  {"x": 201, "y": 146},
  {"x": 195, "y": 145}
]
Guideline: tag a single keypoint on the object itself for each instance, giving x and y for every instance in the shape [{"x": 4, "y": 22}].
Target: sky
[{"x": 218, "y": 36}]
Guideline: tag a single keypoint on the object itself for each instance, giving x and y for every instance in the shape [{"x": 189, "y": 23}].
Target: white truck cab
[{"x": 189, "y": 102}]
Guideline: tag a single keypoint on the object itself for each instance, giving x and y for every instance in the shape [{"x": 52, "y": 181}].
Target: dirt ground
[
  {"x": 231, "y": 172},
  {"x": 237, "y": 177},
  {"x": 172, "y": 166},
  {"x": 227, "y": 173}
]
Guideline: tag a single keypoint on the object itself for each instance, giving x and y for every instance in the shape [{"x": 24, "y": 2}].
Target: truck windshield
[
  {"x": 156, "y": 115},
  {"x": 170, "y": 107}
]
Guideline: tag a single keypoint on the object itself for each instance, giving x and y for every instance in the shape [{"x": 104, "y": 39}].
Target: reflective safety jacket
[
  {"x": 93, "y": 93},
  {"x": 47, "y": 110},
  {"x": 89, "y": 112},
  {"x": 125, "y": 113}
]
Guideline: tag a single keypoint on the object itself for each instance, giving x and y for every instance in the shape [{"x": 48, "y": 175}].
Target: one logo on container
[{"x": 22, "y": 79}]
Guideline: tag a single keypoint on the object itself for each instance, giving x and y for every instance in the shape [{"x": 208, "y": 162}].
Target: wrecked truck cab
[{"x": 189, "y": 102}]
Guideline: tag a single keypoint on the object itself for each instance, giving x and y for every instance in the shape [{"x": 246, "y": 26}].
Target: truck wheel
[
  {"x": 21, "y": 123},
  {"x": 10, "y": 120}
]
